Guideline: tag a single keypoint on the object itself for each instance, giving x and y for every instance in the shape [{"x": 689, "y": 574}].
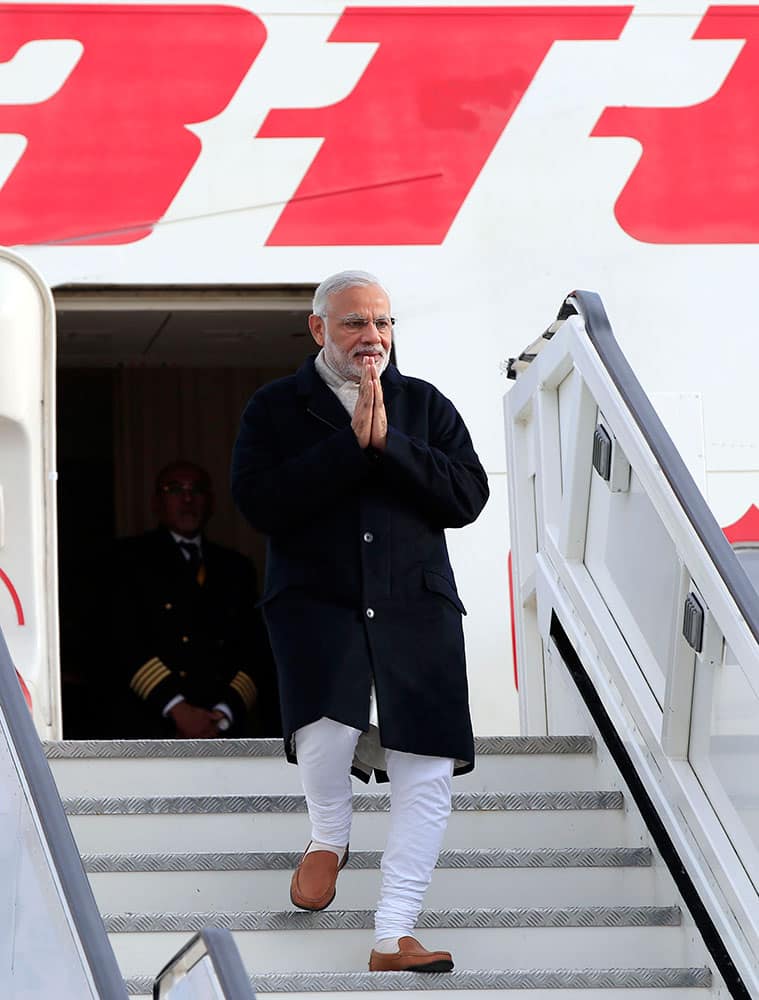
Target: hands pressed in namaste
[{"x": 369, "y": 418}]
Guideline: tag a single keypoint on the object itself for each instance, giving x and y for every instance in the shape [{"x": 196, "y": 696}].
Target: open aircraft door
[
  {"x": 635, "y": 621},
  {"x": 28, "y": 548}
]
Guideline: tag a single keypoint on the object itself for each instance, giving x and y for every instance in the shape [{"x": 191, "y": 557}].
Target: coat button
[
  {"x": 168, "y": 607},
  {"x": 368, "y": 536},
  {"x": 370, "y": 612},
  {"x": 185, "y": 638}
]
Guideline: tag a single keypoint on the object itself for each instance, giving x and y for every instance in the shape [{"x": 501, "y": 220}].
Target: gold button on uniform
[
  {"x": 185, "y": 638},
  {"x": 168, "y": 607}
]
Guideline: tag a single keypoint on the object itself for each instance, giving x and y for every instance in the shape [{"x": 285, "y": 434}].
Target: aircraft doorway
[{"x": 147, "y": 375}]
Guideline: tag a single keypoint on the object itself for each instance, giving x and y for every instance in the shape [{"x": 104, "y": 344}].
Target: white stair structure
[
  {"x": 547, "y": 885},
  {"x": 612, "y": 848},
  {"x": 638, "y": 655}
]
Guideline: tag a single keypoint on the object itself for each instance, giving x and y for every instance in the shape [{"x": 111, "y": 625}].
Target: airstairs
[
  {"x": 548, "y": 884},
  {"x": 613, "y": 847}
]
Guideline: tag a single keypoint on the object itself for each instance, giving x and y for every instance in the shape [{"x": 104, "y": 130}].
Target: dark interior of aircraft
[{"x": 146, "y": 376}]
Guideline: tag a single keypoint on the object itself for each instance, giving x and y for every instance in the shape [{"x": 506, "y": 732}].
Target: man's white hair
[{"x": 338, "y": 283}]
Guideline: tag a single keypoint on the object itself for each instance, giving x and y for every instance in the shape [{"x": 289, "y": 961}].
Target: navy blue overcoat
[{"x": 359, "y": 586}]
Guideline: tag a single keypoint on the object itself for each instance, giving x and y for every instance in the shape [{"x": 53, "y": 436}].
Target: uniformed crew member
[
  {"x": 354, "y": 470},
  {"x": 193, "y": 655}
]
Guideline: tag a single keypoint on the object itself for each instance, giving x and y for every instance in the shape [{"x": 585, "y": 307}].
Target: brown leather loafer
[
  {"x": 410, "y": 957},
  {"x": 313, "y": 882}
]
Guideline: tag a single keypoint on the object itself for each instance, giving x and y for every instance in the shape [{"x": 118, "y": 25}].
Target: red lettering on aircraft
[
  {"x": 108, "y": 152},
  {"x": 745, "y": 529},
  {"x": 14, "y": 597},
  {"x": 402, "y": 151},
  {"x": 697, "y": 180}
]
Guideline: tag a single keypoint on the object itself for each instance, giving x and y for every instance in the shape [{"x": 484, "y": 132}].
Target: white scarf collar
[{"x": 345, "y": 389}]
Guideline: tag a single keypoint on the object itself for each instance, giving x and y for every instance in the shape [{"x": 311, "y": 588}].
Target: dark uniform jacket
[
  {"x": 174, "y": 635},
  {"x": 359, "y": 587}
]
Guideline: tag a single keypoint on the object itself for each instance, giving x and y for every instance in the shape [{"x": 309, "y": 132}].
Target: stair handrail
[
  {"x": 42, "y": 796},
  {"x": 230, "y": 980},
  {"x": 570, "y": 609}
]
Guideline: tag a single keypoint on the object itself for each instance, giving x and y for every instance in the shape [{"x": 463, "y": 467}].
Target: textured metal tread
[
  {"x": 137, "y": 749},
  {"x": 281, "y": 920},
  {"x": 85, "y": 805},
  {"x": 572, "y": 857},
  {"x": 484, "y": 746},
  {"x": 516, "y": 979}
]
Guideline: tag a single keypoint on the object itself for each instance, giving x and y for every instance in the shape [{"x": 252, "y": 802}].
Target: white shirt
[{"x": 222, "y": 706}]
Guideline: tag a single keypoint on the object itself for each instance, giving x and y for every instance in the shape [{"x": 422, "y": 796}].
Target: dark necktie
[{"x": 193, "y": 560}]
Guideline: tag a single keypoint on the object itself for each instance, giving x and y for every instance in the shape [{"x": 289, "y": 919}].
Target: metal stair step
[
  {"x": 519, "y": 946},
  {"x": 359, "y": 889},
  {"x": 495, "y": 994},
  {"x": 240, "y": 767},
  {"x": 590, "y": 857},
  {"x": 464, "y": 878},
  {"x": 165, "y": 858},
  {"x": 606, "y": 983},
  {"x": 266, "y": 822},
  {"x": 236, "y": 832},
  {"x": 188, "y": 805},
  {"x": 286, "y": 920},
  {"x": 484, "y": 745}
]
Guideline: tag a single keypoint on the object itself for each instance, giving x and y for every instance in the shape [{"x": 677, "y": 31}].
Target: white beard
[{"x": 351, "y": 367}]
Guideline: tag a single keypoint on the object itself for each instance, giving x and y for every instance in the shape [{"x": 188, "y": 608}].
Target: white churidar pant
[{"x": 420, "y": 804}]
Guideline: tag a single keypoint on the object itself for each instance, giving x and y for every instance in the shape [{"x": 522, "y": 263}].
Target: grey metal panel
[
  {"x": 518, "y": 979},
  {"x": 58, "y": 837},
  {"x": 598, "y": 857},
  {"x": 210, "y": 804},
  {"x": 283, "y": 920},
  {"x": 136, "y": 749}
]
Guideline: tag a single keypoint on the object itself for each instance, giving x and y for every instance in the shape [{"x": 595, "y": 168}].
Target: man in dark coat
[
  {"x": 354, "y": 471},
  {"x": 193, "y": 657}
]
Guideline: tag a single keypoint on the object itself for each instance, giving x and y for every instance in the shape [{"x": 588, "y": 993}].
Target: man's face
[
  {"x": 183, "y": 501},
  {"x": 357, "y": 324}
]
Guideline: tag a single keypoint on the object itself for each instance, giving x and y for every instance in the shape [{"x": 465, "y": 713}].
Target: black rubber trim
[
  {"x": 675, "y": 471},
  {"x": 58, "y": 837},
  {"x": 656, "y": 828}
]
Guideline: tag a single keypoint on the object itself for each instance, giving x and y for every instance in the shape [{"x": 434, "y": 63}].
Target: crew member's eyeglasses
[{"x": 180, "y": 489}]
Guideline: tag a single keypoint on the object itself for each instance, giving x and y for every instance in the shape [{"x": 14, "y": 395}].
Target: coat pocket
[{"x": 439, "y": 584}]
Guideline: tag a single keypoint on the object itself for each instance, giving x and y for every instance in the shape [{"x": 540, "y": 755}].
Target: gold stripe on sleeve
[
  {"x": 141, "y": 683},
  {"x": 142, "y": 672},
  {"x": 245, "y": 687},
  {"x": 148, "y": 677}
]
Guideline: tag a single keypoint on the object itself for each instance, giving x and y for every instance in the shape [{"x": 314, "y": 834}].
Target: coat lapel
[
  {"x": 392, "y": 384},
  {"x": 318, "y": 399},
  {"x": 321, "y": 402}
]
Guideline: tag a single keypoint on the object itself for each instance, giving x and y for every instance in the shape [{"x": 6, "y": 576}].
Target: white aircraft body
[{"x": 182, "y": 176}]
